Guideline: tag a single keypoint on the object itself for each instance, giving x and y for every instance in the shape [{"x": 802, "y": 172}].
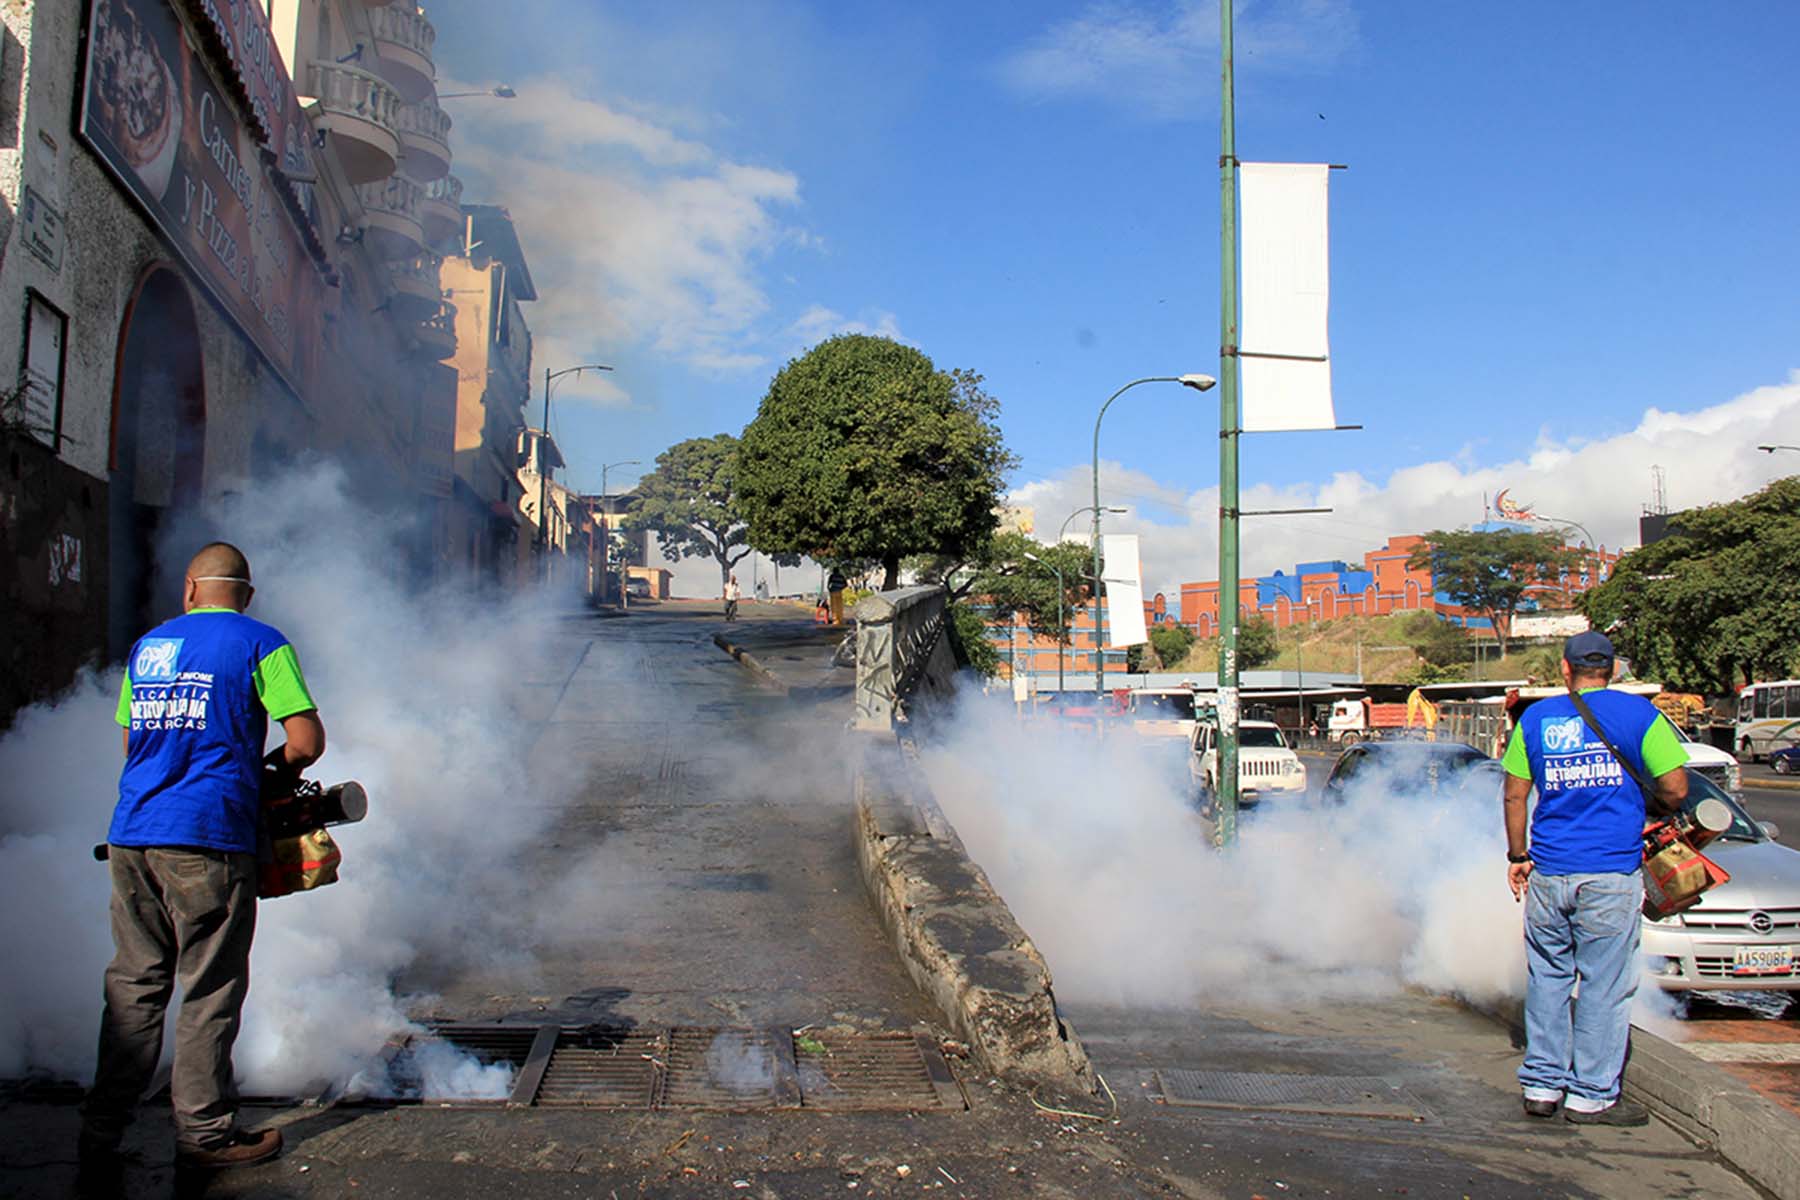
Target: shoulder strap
[{"x": 1593, "y": 722}]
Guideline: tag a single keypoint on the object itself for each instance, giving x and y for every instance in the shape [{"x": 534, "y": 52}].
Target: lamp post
[
  {"x": 1061, "y": 629},
  {"x": 1199, "y": 383},
  {"x": 606, "y": 527},
  {"x": 1778, "y": 446},
  {"x": 543, "y": 464},
  {"x": 501, "y": 92},
  {"x": 1111, "y": 508}
]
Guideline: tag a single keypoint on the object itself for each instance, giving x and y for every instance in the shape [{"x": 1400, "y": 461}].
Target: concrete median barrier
[{"x": 954, "y": 934}]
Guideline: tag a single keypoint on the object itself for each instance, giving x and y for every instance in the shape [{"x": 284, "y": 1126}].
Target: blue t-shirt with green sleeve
[
  {"x": 197, "y": 697},
  {"x": 1589, "y": 818}
]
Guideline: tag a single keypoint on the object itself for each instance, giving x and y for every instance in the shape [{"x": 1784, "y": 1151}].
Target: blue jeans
[{"x": 1579, "y": 927}]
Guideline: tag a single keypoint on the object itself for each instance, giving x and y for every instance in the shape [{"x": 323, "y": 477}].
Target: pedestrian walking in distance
[
  {"x": 1582, "y": 878},
  {"x": 732, "y": 595},
  {"x": 195, "y": 704},
  {"x": 836, "y": 585}
]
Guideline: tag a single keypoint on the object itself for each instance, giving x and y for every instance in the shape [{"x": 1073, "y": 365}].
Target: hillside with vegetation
[{"x": 1410, "y": 647}]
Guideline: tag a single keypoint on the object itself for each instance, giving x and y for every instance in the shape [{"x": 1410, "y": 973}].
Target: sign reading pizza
[{"x": 159, "y": 122}]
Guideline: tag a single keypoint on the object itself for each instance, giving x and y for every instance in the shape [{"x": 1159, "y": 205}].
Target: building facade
[
  {"x": 219, "y": 223},
  {"x": 1383, "y": 583}
]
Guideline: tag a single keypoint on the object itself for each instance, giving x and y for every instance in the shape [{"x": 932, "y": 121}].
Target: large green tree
[
  {"x": 1714, "y": 604},
  {"x": 862, "y": 448},
  {"x": 690, "y": 499},
  {"x": 1258, "y": 645},
  {"x": 1492, "y": 572}
]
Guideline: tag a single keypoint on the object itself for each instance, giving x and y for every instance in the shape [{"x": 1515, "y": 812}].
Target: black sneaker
[
  {"x": 1619, "y": 1112},
  {"x": 1541, "y": 1108}
]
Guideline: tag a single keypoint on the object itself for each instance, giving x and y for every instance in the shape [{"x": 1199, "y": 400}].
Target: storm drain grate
[
  {"x": 601, "y": 1067},
  {"x": 1321, "y": 1095},
  {"x": 725, "y": 1069},
  {"x": 874, "y": 1072},
  {"x": 732, "y": 1069}
]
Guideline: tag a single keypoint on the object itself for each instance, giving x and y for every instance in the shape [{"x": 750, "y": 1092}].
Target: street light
[
  {"x": 502, "y": 92},
  {"x": 1199, "y": 383},
  {"x": 543, "y": 464},
  {"x": 1778, "y": 446},
  {"x": 606, "y": 530},
  {"x": 1061, "y": 629},
  {"x": 1111, "y": 508}
]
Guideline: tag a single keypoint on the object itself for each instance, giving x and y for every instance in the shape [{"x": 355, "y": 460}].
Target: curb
[
  {"x": 1752, "y": 1133},
  {"x": 763, "y": 675},
  {"x": 954, "y": 934},
  {"x": 1792, "y": 785},
  {"x": 1704, "y": 1101}
]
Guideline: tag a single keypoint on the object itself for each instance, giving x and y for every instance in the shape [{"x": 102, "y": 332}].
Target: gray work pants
[{"x": 177, "y": 914}]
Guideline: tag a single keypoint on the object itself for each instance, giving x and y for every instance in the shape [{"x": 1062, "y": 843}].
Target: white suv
[{"x": 1266, "y": 767}]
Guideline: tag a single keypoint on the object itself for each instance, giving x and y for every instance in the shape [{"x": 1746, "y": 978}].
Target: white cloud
[
  {"x": 1163, "y": 59},
  {"x": 637, "y": 235},
  {"x": 819, "y": 322},
  {"x": 1709, "y": 455}
]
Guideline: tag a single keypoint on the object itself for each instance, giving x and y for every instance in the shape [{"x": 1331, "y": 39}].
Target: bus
[{"x": 1768, "y": 718}]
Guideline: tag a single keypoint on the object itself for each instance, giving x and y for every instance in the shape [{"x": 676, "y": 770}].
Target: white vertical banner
[
  {"x": 1286, "y": 293},
  {"x": 1124, "y": 590}
]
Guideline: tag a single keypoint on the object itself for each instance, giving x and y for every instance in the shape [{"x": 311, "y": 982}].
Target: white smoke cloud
[
  {"x": 1100, "y": 853},
  {"x": 417, "y": 693},
  {"x": 1709, "y": 455}
]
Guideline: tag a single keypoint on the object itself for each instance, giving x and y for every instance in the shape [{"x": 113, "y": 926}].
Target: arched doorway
[{"x": 158, "y": 455}]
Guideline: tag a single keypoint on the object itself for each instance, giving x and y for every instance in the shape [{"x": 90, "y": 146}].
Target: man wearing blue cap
[{"x": 1582, "y": 878}]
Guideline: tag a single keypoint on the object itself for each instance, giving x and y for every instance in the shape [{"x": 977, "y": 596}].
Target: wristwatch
[{"x": 1518, "y": 858}]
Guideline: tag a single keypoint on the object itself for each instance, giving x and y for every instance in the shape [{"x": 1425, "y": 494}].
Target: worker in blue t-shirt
[
  {"x": 1582, "y": 879},
  {"x": 195, "y": 704}
]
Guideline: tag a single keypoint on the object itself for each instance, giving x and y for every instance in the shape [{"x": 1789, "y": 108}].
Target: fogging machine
[
  {"x": 1676, "y": 874},
  {"x": 295, "y": 852}
]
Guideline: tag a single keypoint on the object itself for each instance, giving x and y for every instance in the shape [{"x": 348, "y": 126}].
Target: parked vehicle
[
  {"x": 1786, "y": 760},
  {"x": 1743, "y": 935},
  {"x": 1267, "y": 767},
  {"x": 637, "y": 589},
  {"x": 1166, "y": 712},
  {"x": 1768, "y": 718},
  {"x": 1708, "y": 760},
  {"x": 1440, "y": 767}
]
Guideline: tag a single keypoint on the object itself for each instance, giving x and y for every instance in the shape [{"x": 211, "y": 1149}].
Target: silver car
[{"x": 1743, "y": 935}]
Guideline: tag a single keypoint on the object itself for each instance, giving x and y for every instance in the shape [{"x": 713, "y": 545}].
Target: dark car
[
  {"x": 1414, "y": 766},
  {"x": 1786, "y": 760}
]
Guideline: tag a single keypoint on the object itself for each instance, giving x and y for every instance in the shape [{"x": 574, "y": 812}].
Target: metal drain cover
[
  {"x": 874, "y": 1072},
  {"x": 731, "y": 1069},
  {"x": 600, "y": 1067},
  {"x": 1321, "y": 1095}
]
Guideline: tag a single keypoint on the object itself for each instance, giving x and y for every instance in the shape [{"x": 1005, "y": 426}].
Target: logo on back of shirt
[
  {"x": 157, "y": 660},
  {"x": 1562, "y": 737}
]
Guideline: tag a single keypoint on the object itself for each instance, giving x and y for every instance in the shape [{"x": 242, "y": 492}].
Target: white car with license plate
[
  {"x": 1267, "y": 768},
  {"x": 1718, "y": 765},
  {"x": 1743, "y": 935}
]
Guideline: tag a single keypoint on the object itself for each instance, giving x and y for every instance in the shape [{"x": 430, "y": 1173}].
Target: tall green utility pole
[{"x": 1227, "y": 803}]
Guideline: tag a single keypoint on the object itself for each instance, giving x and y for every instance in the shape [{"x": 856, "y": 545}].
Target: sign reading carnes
[
  {"x": 155, "y": 117},
  {"x": 254, "y": 62}
]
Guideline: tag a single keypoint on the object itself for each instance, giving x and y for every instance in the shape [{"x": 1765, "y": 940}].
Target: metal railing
[
  {"x": 446, "y": 190},
  {"x": 902, "y": 654},
  {"x": 352, "y": 91}
]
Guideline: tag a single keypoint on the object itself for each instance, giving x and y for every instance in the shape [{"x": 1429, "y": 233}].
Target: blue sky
[{"x": 1557, "y": 218}]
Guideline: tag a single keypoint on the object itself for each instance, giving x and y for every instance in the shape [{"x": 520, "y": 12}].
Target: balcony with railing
[
  {"x": 404, "y": 42},
  {"x": 359, "y": 114},
  {"x": 436, "y": 334},
  {"x": 391, "y": 227},
  {"x": 424, "y": 140},
  {"x": 417, "y": 293},
  {"x": 440, "y": 210}
]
